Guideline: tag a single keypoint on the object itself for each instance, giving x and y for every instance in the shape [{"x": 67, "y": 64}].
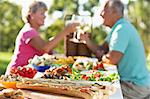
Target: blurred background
[{"x": 137, "y": 11}]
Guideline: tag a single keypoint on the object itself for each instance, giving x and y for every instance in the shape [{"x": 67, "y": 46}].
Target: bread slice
[{"x": 68, "y": 88}]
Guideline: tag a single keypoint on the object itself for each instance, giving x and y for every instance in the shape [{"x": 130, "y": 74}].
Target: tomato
[
  {"x": 97, "y": 75},
  {"x": 21, "y": 73},
  {"x": 34, "y": 71},
  {"x": 99, "y": 66},
  {"x": 26, "y": 74},
  {"x": 30, "y": 76},
  {"x": 83, "y": 76},
  {"x": 87, "y": 77},
  {"x": 69, "y": 70},
  {"x": 95, "y": 68},
  {"x": 30, "y": 71},
  {"x": 23, "y": 69},
  {"x": 14, "y": 70},
  {"x": 83, "y": 90}
]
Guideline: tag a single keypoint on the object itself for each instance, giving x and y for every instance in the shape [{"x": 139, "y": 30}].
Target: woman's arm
[{"x": 38, "y": 43}]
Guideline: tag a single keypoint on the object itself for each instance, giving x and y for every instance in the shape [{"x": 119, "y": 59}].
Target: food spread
[{"x": 65, "y": 75}]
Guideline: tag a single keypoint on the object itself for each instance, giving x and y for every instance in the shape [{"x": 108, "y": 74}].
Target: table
[
  {"x": 42, "y": 95},
  {"x": 39, "y": 95},
  {"x": 118, "y": 94}
]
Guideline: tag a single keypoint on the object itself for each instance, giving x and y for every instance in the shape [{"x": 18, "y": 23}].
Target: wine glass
[
  {"x": 76, "y": 18},
  {"x": 87, "y": 23},
  {"x": 85, "y": 26}
]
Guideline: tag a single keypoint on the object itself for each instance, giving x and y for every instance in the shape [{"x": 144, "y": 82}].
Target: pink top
[{"x": 23, "y": 50}]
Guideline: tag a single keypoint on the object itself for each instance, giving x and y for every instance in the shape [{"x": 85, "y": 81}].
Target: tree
[
  {"x": 53, "y": 30},
  {"x": 10, "y": 24},
  {"x": 66, "y": 6}
]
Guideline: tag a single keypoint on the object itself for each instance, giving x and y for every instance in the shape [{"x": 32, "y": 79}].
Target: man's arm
[
  {"x": 99, "y": 51},
  {"x": 112, "y": 57}
]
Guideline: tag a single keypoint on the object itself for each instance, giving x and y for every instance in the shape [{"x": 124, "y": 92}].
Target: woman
[{"x": 28, "y": 42}]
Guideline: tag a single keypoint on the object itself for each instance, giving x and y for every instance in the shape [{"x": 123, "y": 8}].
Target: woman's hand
[{"x": 70, "y": 28}]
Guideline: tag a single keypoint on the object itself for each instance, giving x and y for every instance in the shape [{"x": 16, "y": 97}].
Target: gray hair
[
  {"x": 33, "y": 8},
  {"x": 118, "y": 6}
]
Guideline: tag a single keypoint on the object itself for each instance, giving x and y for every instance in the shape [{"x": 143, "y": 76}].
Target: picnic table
[
  {"x": 41, "y": 95},
  {"x": 32, "y": 94}
]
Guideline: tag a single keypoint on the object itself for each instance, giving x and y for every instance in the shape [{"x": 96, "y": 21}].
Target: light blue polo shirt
[{"x": 125, "y": 39}]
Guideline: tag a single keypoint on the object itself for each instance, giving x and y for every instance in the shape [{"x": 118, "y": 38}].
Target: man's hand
[
  {"x": 106, "y": 59},
  {"x": 85, "y": 37},
  {"x": 99, "y": 54}
]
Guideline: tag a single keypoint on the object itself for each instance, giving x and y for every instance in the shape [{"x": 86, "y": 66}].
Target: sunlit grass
[{"x": 5, "y": 58}]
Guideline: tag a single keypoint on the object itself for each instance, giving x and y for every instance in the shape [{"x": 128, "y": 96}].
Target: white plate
[{"x": 110, "y": 67}]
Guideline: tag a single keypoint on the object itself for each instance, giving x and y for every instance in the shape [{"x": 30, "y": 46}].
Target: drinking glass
[
  {"x": 85, "y": 26},
  {"x": 76, "y": 18}
]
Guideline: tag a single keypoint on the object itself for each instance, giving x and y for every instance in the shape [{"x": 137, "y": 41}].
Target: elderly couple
[{"x": 122, "y": 46}]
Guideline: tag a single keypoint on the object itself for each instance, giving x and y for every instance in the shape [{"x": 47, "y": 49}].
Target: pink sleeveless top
[{"x": 23, "y": 50}]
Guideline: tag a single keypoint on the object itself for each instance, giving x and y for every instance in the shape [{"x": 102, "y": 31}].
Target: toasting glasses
[{"x": 85, "y": 26}]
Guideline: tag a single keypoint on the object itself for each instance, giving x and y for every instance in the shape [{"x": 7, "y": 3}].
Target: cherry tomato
[
  {"x": 83, "y": 90},
  {"x": 83, "y": 76},
  {"x": 101, "y": 65},
  {"x": 86, "y": 78},
  {"x": 97, "y": 75},
  {"x": 23, "y": 69}
]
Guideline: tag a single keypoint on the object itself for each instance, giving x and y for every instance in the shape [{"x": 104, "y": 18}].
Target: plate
[{"x": 41, "y": 68}]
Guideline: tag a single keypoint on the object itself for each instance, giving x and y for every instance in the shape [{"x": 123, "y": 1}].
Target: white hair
[
  {"x": 118, "y": 6},
  {"x": 32, "y": 8}
]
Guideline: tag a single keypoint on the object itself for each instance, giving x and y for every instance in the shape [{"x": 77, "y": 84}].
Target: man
[{"x": 124, "y": 48}]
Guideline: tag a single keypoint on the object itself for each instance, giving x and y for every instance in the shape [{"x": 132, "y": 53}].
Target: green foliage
[
  {"x": 67, "y": 6},
  {"x": 10, "y": 24},
  {"x": 5, "y": 58},
  {"x": 91, "y": 3},
  {"x": 53, "y": 30},
  {"x": 98, "y": 35}
]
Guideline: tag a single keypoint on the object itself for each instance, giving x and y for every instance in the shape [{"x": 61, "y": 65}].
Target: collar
[{"x": 121, "y": 20}]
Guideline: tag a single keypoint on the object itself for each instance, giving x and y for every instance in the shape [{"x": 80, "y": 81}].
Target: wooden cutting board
[{"x": 29, "y": 94}]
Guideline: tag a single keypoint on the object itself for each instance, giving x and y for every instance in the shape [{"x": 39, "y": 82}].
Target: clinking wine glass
[
  {"x": 76, "y": 18},
  {"x": 85, "y": 26}
]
